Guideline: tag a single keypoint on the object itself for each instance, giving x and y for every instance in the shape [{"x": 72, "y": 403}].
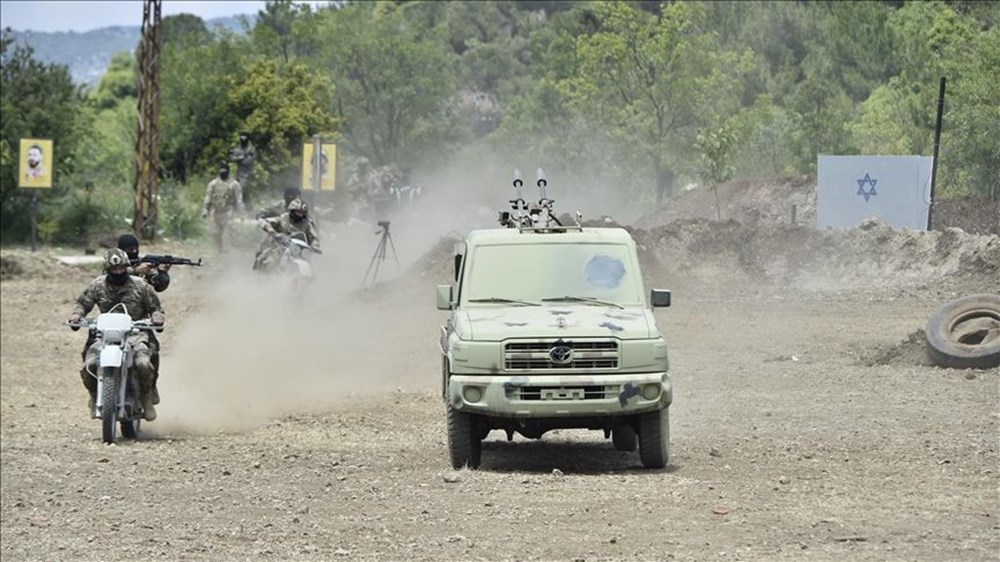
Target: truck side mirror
[
  {"x": 659, "y": 297},
  {"x": 444, "y": 293},
  {"x": 458, "y": 265}
]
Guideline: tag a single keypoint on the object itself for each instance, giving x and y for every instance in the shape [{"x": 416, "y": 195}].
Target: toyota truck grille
[{"x": 561, "y": 355}]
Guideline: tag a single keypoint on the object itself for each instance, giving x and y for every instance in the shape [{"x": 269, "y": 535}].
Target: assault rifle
[{"x": 158, "y": 260}]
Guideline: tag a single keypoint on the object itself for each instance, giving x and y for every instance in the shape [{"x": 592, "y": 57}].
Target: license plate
[{"x": 562, "y": 394}]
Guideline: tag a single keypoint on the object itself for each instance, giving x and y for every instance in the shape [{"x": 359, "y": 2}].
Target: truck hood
[{"x": 565, "y": 321}]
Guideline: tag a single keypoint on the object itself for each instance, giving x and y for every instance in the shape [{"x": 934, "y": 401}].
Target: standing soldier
[
  {"x": 223, "y": 199},
  {"x": 244, "y": 155}
]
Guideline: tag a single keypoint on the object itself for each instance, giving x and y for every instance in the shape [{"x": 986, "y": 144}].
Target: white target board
[{"x": 893, "y": 189}]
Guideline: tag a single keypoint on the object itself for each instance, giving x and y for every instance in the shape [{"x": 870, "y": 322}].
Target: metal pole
[
  {"x": 34, "y": 218},
  {"x": 317, "y": 163},
  {"x": 937, "y": 146}
]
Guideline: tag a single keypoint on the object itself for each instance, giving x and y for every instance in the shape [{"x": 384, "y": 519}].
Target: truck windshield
[{"x": 538, "y": 272}]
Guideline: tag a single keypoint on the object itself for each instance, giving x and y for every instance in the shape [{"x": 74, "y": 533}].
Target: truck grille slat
[{"x": 586, "y": 355}]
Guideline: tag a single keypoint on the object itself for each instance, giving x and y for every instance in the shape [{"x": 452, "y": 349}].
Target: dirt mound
[
  {"x": 911, "y": 351},
  {"x": 792, "y": 200},
  {"x": 43, "y": 264},
  {"x": 702, "y": 254},
  {"x": 974, "y": 215},
  {"x": 872, "y": 256}
]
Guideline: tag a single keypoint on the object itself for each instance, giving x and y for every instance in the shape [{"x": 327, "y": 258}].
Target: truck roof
[{"x": 516, "y": 236}]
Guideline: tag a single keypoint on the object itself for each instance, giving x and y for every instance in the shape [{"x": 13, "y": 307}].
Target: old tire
[
  {"x": 464, "y": 444},
  {"x": 109, "y": 403},
  {"x": 654, "y": 438},
  {"x": 623, "y": 437},
  {"x": 965, "y": 333}
]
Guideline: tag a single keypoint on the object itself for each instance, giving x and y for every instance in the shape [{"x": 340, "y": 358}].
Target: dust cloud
[
  {"x": 248, "y": 352},
  {"x": 244, "y": 353}
]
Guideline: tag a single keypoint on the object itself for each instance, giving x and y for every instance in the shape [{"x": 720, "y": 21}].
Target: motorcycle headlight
[{"x": 295, "y": 250}]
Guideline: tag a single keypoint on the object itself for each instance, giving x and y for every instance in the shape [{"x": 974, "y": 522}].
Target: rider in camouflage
[
  {"x": 141, "y": 302},
  {"x": 294, "y": 223}
]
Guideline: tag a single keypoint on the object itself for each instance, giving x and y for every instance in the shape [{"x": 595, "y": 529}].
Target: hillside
[{"x": 87, "y": 54}]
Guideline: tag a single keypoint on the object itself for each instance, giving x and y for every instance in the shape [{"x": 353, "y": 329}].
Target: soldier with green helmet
[
  {"x": 294, "y": 223},
  {"x": 115, "y": 287}
]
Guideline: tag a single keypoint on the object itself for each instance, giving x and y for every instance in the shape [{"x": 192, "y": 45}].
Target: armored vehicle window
[{"x": 537, "y": 271}]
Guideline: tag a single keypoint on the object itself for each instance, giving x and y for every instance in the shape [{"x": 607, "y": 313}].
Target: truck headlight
[
  {"x": 472, "y": 393},
  {"x": 651, "y": 391}
]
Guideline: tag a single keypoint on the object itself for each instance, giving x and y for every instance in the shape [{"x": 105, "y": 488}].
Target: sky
[{"x": 85, "y": 15}]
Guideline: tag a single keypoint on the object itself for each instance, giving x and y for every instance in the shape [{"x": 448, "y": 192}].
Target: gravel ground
[{"x": 804, "y": 427}]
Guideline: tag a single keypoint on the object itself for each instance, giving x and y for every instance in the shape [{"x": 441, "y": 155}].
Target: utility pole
[{"x": 147, "y": 140}]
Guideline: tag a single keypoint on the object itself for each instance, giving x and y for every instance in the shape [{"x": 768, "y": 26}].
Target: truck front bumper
[{"x": 548, "y": 396}]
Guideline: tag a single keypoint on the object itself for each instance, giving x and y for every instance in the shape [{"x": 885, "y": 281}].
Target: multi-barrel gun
[{"x": 536, "y": 215}]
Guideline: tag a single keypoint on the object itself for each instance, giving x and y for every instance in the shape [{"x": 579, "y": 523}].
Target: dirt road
[{"x": 804, "y": 428}]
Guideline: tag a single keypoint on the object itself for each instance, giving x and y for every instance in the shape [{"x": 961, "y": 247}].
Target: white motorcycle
[
  {"x": 117, "y": 386},
  {"x": 293, "y": 265}
]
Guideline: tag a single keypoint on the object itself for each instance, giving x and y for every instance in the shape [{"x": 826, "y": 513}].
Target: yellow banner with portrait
[
  {"x": 327, "y": 165},
  {"x": 35, "y": 169}
]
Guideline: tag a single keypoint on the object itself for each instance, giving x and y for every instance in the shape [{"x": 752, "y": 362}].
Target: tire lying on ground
[{"x": 965, "y": 333}]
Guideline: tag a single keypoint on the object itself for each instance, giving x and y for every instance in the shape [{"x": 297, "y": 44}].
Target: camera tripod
[{"x": 379, "y": 256}]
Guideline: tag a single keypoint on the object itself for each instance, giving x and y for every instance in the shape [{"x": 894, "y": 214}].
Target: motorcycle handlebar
[{"x": 138, "y": 325}]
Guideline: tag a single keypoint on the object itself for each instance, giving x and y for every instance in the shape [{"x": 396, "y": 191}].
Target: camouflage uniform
[
  {"x": 244, "y": 155},
  {"x": 303, "y": 230},
  {"x": 141, "y": 302},
  {"x": 223, "y": 199}
]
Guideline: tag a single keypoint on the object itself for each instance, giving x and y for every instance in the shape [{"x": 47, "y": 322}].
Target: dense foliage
[{"x": 640, "y": 96}]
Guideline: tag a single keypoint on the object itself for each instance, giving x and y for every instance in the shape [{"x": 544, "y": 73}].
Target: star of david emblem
[{"x": 862, "y": 182}]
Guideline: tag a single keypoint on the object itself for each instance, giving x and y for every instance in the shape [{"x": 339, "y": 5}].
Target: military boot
[
  {"x": 154, "y": 394},
  {"x": 149, "y": 412},
  {"x": 91, "y": 403}
]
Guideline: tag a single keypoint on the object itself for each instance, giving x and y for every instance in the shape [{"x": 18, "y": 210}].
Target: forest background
[{"x": 639, "y": 99}]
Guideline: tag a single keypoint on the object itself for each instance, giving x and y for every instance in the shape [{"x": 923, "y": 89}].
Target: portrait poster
[
  {"x": 35, "y": 164},
  {"x": 328, "y": 167}
]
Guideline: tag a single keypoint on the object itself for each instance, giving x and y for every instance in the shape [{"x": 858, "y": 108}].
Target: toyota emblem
[{"x": 561, "y": 355}]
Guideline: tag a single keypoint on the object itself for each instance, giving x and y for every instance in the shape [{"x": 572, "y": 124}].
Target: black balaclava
[
  {"x": 118, "y": 279},
  {"x": 291, "y": 194},
  {"x": 296, "y": 216},
  {"x": 130, "y": 244},
  {"x": 224, "y": 173}
]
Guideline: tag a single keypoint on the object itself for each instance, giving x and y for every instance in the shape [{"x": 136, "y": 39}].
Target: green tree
[
  {"x": 282, "y": 106},
  {"x": 654, "y": 81},
  {"x": 196, "y": 123},
  {"x": 36, "y": 101},
  {"x": 285, "y": 31},
  {"x": 393, "y": 79},
  {"x": 715, "y": 146},
  {"x": 119, "y": 82}
]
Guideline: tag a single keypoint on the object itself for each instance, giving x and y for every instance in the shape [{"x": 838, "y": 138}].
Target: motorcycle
[
  {"x": 118, "y": 390},
  {"x": 293, "y": 263}
]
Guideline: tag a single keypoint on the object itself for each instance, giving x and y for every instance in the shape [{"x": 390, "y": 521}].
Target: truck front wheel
[
  {"x": 464, "y": 443},
  {"x": 654, "y": 438}
]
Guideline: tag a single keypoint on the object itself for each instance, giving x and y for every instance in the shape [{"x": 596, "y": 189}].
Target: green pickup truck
[{"x": 551, "y": 327}]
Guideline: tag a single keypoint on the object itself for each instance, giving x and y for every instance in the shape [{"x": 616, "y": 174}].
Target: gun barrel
[{"x": 541, "y": 182}]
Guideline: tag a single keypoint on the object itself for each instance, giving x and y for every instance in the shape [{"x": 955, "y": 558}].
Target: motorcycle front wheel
[{"x": 109, "y": 404}]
